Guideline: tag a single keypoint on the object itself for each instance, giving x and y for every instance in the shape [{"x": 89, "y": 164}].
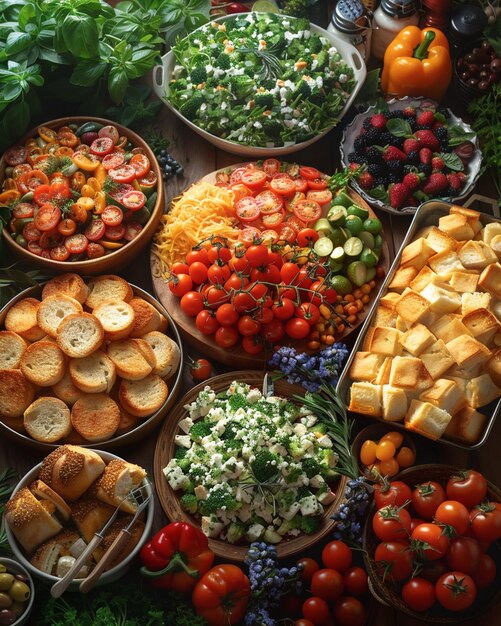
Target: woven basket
[{"x": 389, "y": 594}]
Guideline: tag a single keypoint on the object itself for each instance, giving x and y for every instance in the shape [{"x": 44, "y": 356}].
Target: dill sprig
[
  {"x": 331, "y": 411},
  {"x": 269, "y": 60},
  {"x": 268, "y": 488},
  {"x": 109, "y": 185},
  {"x": 54, "y": 164}
]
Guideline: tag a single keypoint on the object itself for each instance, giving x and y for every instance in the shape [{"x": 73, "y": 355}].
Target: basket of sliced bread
[
  {"x": 86, "y": 362},
  {"x": 429, "y": 355},
  {"x": 58, "y": 507}
]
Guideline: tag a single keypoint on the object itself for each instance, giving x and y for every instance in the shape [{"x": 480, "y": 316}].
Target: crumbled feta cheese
[{"x": 183, "y": 440}]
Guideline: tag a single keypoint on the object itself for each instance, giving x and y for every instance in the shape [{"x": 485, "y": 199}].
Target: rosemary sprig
[
  {"x": 269, "y": 60},
  {"x": 331, "y": 411}
]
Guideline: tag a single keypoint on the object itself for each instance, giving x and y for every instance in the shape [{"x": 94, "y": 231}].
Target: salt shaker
[{"x": 351, "y": 22}]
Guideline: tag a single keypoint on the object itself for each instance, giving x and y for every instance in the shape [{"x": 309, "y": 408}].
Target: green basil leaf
[
  {"x": 54, "y": 57},
  {"x": 456, "y": 135},
  {"x": 26, "y": 15},
  {"x": 87, "y": 73},
  {"x": 11, "y": 91},
  {"x": 36, "y": 79},
  {"x": 452, "y": 161},
  {"x": 117, "y": 84},
  {"x": 399, "y": 127},
  {"x": 81, "y": 36},
  {"x": 379, "y": 192}
]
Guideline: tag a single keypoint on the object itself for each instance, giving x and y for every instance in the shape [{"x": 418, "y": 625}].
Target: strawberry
[
  {"x": 412, "y": 180},
  {"x": 411, "y": 145},
  {"x": 378, "y": 121},
  {"x": 428, "y": 139},
  {"x": 437, "y": 163},
  {"x": 436, "y": 183},
  {"x": 366, "y": 180},
  {"x": 398, "y": 194},
  {"x": 426, "y": 118},
  {"x": 409, "y": 112},
  {"x": 392, "y": 153},
  {"x": 454, "y": 181},
  {"x": 462, "y": 177},
  {"x": 412, "y": 201},
  {"x": 353, "y": 167},
  {"x": 425, "y": 155}
]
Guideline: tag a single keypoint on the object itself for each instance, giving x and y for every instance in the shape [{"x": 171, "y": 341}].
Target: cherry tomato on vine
[
  {"x": 468, "y": 487},
  {"x": 200, "y": 369},
  {"x": 394, "y": 558},
  {"x": 273, "y": 331},
  {"x": 430, "y": 541},
  {"x": 308, "y": 312},
  {"x": 192, "y": 303},
  {"x": 248, "y": 326},
  {"x": 307, "y": 237},
  {"x": 198, "y": 272},
  {"x": 252, "y": 344},
  {"x": 486, "y": 521},
  {"x": 297, "y": 328},
  {"x": 256, "y": 255},
  {"x": 455, "y": 591},
  {"x": 395, "y": 492},
  {"x": 391, "y": 523},
  {"x": 226, "y": 336},
  {"x": 201, "y": 256},
  {"x": 180, "y": 285},
  {"x": 206, "y": 322},
  {"x": 463, "y": 554},
  {"x": 455, "y": 514}
]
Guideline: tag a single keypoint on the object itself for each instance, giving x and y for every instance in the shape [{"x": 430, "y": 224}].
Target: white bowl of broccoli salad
[
  {"x": 250, "y": 467},
  {"x": 259, "y": 84}
]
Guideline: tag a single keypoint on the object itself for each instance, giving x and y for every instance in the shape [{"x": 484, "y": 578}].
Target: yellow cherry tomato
[
  {"x": 395, "y": 437},
  {"x": 389, "y": 467},
  {"x": 405, "y": 457},
  {"x": 385, "y": 450},
  {"x": 368, "y": 452},
  {"x": 85, "y": 162},
  {"x": 374, "y": 469}
]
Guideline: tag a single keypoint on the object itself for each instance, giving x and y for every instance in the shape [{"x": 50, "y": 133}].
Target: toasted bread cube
[
  {"x": 495, "y": 245},
  {"x": 444, "y": 263},
  {"x": 475, "y": 255},
  {"x": 367, "y": 339},
  {"x": 467, "y": 351},
  {"x": 423, "y": 278},
  {"x": 383, "y": 375},
  {"x": 471, "y": 215},
  {"x": 493, "y": 367},
  {"x": 427, "y": 419},
  {"x": 389, "y": 300},
  {"x": 416, "y": 254},
  {"x": 446, "y": 394},
  {"x": 490, "y": 279},
  {"x": 441, "y": 300},
  {"x": 402, "y": 325},
  {"x": 481, "y": 390},
  {"x": 482, "y": 325},
  {"x": 490, "y": 231},
  {"x": 466, "y": 426},
  {"x": 386, "y": 341},
  {"x": 411, "y": 306},
  {"x": 464, "y": 282},
  {"x": 439, "y": 240},
  {"x": 402, "y": 278},
  {"x": 473, "y": 301},
  {"x": 365, "y": 398},
  {"x": 366, "y": 365},
  {"x": 417, "y": 339},
  {"x": 448, "y": 327},
  {"x": 394, "y": 403},
  {"x": 409, "y": 373},
  {"x": 456, "y": 226},
  {"x": 385, "y": 317},
  {"x": 437, "y": 359}
]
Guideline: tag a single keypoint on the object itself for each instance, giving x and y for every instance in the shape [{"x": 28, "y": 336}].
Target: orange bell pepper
[{"x": 417, "y": 63}]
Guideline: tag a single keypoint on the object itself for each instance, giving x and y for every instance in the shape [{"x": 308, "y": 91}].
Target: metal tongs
[
  {"x": 268, "y": 386},
  {"x": 141, "y": 496}
]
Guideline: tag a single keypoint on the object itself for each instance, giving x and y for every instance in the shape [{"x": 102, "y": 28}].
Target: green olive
[
  {"x": 5, "y": 600},
  {"x": 19, "y": 591},
  {"x": 18, "y": 607},
  {"x": 6, "y": 581},
  {"x": 2, "y": 568}
]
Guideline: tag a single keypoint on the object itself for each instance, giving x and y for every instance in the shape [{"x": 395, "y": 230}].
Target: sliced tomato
[
  {"x": 50, "y": 239},
  {"x": 308, "y": 210},
  {"x": 31, "y": 232},
  {"x": 283, "y": 185},
  {"x": 301, "y": 184},
  {"x": 253, "y": 178},
  {"x": 236, "y": 175},
  {"x": 133, "y": 200},
  {"x": 101, "y": 146},
  {"x": 112, "y": 215},
  {"x": 286, "y": 233},
  {"x": 60, "y": 191},
  {"x": 118, "y": 194},
  {"x": 47, "y": 134},
  {"x": 67, "y": 139},
  {"x": 41, "y": 195},
  {"x": 323, "y": 196},
  {"x": 47, "y": 217},
  {"x": 21, "y": 169},
  {"x": 115, "y": 233},
  {"x": 15, "y": 155},
  {"x": 23, "y": 210},
  {"x": 34, "y": 248},
  {"x": 290, "y": 203},
  {"x": 296, "y": 223},
  {"x": 113, "y": 161},
  {"x": 76, "y": 244},
  {"x": 31, "y": 180},
  {"x": 95, "y": 230},
  {"x": 59, "y": 253},
  {"x": 148, "y": 182},
  {"x": 310, "y": 173},
  {"x": 269, "y": 237},
  {"x": 95, "y": 250},
  {"x": 273, "y": 220},
  {"x": 271, "y": 167},
  {"x": 318, "y": 184},
  {"x": 240, "y": 191},
  {"x": 248, "y": 236},
  {"x": 132, "y": 231},
  {"x": 67, "y": 227},
  {"x": 123, "y": 174},
  {"x": 86, "y": 162},
  {"x": 141, "y": 164},
  {"x": 247, "y": 209},
  {"x": 269, "y": 202}
]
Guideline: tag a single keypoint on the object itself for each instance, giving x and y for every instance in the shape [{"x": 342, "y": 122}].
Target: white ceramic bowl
[
  {"x": 352, "y": 131},
  {"x": 351, "y": 56},
  {"x": 108, "y": 577},
  {"x": 13, "y": 567}
]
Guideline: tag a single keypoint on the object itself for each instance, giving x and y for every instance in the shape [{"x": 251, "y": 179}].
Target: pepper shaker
[{"x": 352, "y": 22}]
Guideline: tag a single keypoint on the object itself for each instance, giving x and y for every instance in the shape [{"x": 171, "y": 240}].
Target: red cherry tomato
[
  {"x": 271, "y": 167},
  {"x": 463, "y": 554},
  {"x": 257, "y": 255},
  {"x": 198, "y": 272},
  {"x": 95, "y": 230},
  {"x": 297, "y": 328},
  {"x": 123, "y": 174},
  {"x": 391, "y": 523},
  {"x": 309, "y": 312},
  {"x": 76, "y": 244},
  {"x": 327, "y": 584},
  {"x": 47, "y": 217},
  {"x": 307, "y": 237},
  {"x": 453, "y": 514},
  {"x": 269, "y": 202},
  {"x": 101, "y": 146},
  {"x": 469, "y": 488},
  {"x": 247, "y": 210},
  {"x": 248, "y": 326},
  {"x": 486, "y": 521},
  {"x": 349, "y": 611},
  {"x": 433, "y": 543},
  {"x": 252, "y": 344},
  {"x": 206, "y": 322},
  {"x": 309, "y": 567},
  {"x": 337, "y": 555},
  {"x": 316, "y": 610},
  {"x": 273, "y": 331},
  {"x": 114, "y": 233},
  {"x": 283, "y": 185},
  {"x": 112, "y": 215},
  {"x": 308, "y": 210},
  {"x": 201, "y": 369},
  {"x": 134, "y": 200},
  {"x": 456, "y": 591},
  {"x": 180, "y": 285},
  {"x": 141, "y": 164},
  {"x": 485, "y": 573},
  {"x": 355, "y": 581},
  {"x": 419, "y": 594},
  {"x": 426, "y": 498},
  {"x": 395, "y": 492},
  {"x": 394, "y": 559},
  {"x": 253, "y": 178},
  {"x": 226, "y": 336},
  {"x": 323, "y": 196},
  {"x": 192, "y": 303},
  {"x": 318, "y": 184}
]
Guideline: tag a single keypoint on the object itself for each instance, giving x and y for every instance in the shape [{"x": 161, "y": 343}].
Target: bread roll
[
  {"x": 69, "y": 284},
  {"x": 108, "y": 287},
  {"x": 143, "y": 397},
  {"x": 12, "y": 347},
  {"x": 48, "y": 554},
  {"x": 53, "y": 310},
  {"x": 44, "y": 492},
  {"x": 95, "y": 416},
  {"x": 166, "y": 351},
  {"x": 117, "y": 481},
  {"x": 21, "y": 318},
  {"x": 70, "y": 470},
  {"x": 146, "y": 317},
  {"x": 47, "y": 420},
  {"x": 43, "y": 363},
  {"x": 116, "y": 317},
  {"x": 31, "y": 521},
  {"x": 94, "y": 373},
  {"x": 90, "y": 515},
  {"x": 16, "y": 393},
  {"x": 79, "y": 335}
]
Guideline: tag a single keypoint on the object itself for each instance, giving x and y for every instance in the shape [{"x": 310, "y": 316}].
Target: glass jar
[
  {"x": 351, "y": 22},
  {"x": 467, "y": 24},
  {"x": 389, "y": 19}
]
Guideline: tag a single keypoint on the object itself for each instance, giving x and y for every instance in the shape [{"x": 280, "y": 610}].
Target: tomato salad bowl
[{"x": 84, "y": 194}]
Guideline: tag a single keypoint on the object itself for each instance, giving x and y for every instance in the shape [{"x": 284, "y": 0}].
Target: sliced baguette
[
  {"x": 69, "y": 284},
  {"x": 117, "y": 481},
  {"x": 94, "y": 373},
  {"x": 65, "y": 390},
  {"x": 143, "y": 397},
  {"x": 43, "y": 363},
  {"x": 146, "y": 317},
  {"x": 108, "y": 287},
  {"x": 166, "y": 351},
  {"x": 12, "y": 347},
  {"x": 95, "y": 416},
  {"x": 21, "y": 318},
  {"x": 79, "y": 335},
  {"x": 116, "y": 317},
  {"x": 47, "y": 420},
  {"x": 16, "y": 393},
  {"x": 53, "y": 309},
  {"x": 132, "y": 359}
]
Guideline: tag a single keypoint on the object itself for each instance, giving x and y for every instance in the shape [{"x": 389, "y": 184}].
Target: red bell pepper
[{"x": 176, "y": 557}]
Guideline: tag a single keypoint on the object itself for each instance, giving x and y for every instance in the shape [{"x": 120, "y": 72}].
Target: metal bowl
[{"x": 352, "y": 131}]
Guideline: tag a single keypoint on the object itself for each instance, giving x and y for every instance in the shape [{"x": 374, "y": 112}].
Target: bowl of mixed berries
[{"x": 408, "y": 152}]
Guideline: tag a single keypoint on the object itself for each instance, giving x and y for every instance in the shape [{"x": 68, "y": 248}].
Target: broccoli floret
[
  {"x": 235, "y": 532},
  {"x": 199, "y": 430},
  {"x": 188, "y": 502},
  {"x": 303, "y": 492},
  {"x": 264, "y": 466},
  {"x": 273, "y": 128},
  {"x": 180, "y": 84},
  {"x": 190, "y": 108},
  {"x": 318, "y": 97},
  {"x": 242, "y": 86},
  {"x": 303, "y": 88},
  {"x": 264, "y": 100},
  {"x": 302, "y": 24},
  {"x": 296, "y": 448},
  {"x": 180, "y": 453},
  {"x": 232, "y": 446},
  {"x": 322, "y": 58},
  {"x": 309, "y": 525},
  {"x": 327, "y": 460},
  {"x": 223, "y": 61},
  {"x": 268, "y": 83},
  {"x": 294, "y": 474},
  {"x": 217, "y": 499},
  {"x": 197, "y": 473},
  {"x": 286, "y": 498},
  {"x": 230, "y": 430},
  {"x": 296, "y": 8},
  {"x": 184, "y": 464},
  {"x": 237, "y": 401},
  {"x": 198, "y": 75},
  {"x": 310, "y": 467},
  {"x": 319, "y": 428},
  {"x": 288, "y": 407},
  {"x": 314, "y": 44},
  {"x": 215, "y": 473}
]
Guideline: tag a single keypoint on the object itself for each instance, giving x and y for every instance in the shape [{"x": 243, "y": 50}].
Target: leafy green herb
[
  {"x": 457, "y": 135},
  {"x": 339, "y": 180},
  {"x": 452, "y": 161},
  {"x": 380, "y": 193},
  {"x": 399, "y": 127},
  {"x": 13, "y": 280},
  {"x": 271, "y": 65}
]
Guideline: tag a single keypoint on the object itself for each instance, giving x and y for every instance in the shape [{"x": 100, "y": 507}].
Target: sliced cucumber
[
  {"x": 337, "y": 215},
  {"x": 323, "y": 226},
  {"x": 323, "y": 246},
  {"x": 353, "y": 247},
  {"x": 357, "y": 273},
  {"x": 367, "y": 239},
  {"x": 337, "y": 255},
  {"x": 360, "y": 212}
]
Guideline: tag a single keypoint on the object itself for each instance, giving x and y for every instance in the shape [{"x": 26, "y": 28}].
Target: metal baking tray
[{"x": 428, "y": 214}]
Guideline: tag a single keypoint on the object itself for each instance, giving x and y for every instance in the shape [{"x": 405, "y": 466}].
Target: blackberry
[
  {"x": 375, "y": 169},
  {"x": 354, "y": 157},
  {"x": 367, "y": 123},
  {"x": 394, "y": 177},
  {"x": 373, "y": 155},
  {"x": 395, "y": 114},
  {"x": 359, "y": 143},
  {"x": 444, "y": 145},
  {"x": 441, "y": 132},
  {"x": 372, "y": 135},
  {"x": 449, "y": 192},
  {"x": 413, "y": 158},
  {"x": 413, "y": 124},
  {"x": 381, "y": 180},
  {"x": 398, "y": 142},
  {"x": 444, "y": 111},
  {"x": 386, "y": 139},
  {"x": 425, "y": 168},
  {"x": 393, "y": 165}
]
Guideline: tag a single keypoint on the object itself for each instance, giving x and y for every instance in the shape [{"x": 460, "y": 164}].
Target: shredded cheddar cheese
[{"x": 203, "y": 210}]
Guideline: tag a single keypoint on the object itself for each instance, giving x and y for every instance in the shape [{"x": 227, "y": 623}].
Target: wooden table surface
[{"x": 199, "y": 158}]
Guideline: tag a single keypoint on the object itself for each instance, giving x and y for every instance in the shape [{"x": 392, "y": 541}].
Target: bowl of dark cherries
[{"x": 476, "y": 68}]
